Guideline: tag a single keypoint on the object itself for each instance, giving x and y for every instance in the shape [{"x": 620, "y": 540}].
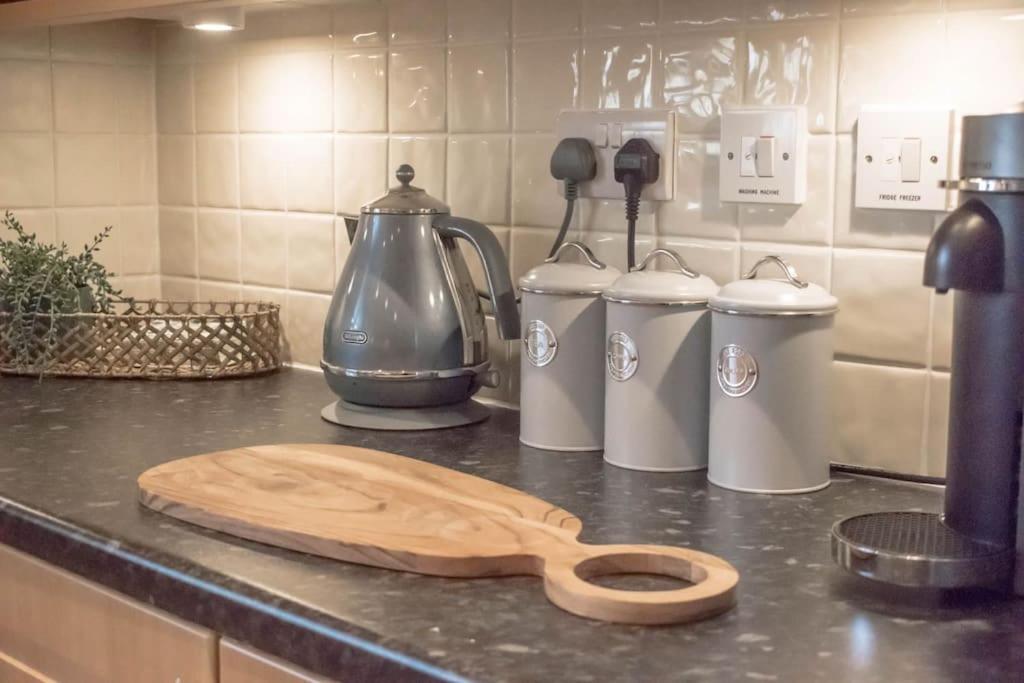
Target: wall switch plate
[
  {"x": 608, "y": 130},
  {"x": 902, "y": 154},
  {"x": 764, "y": 155}
]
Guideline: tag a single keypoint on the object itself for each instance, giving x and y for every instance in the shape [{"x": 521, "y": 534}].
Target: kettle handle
[{"x": 499, "y": 282}]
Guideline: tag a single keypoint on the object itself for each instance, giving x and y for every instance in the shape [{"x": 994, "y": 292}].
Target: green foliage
[{"x": 40, "y": 281}]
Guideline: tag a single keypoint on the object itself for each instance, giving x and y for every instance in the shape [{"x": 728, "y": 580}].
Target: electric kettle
[{"x": 405, "y": 328}]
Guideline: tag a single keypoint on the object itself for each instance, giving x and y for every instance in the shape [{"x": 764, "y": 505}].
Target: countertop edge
[{"x": 285, "y": 629}]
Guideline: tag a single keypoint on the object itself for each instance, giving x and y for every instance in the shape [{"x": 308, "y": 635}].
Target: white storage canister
[
  {"x": 771, "y": 359},
  {"x": 562, "y": 366},
  {"x": 657, "y": 350}
]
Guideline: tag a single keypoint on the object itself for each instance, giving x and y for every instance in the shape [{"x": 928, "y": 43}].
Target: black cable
[
  {"x": 632, "y": 212},
  {"x": 571, "y": 192}
]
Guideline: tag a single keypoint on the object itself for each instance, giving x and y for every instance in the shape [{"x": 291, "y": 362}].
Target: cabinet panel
[
  {"x": 13, "y": 671},
  {"x": 239, "y": 664},
  {"x": 70, "y": 629}
]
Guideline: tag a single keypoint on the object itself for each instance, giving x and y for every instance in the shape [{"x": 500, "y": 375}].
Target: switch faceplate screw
[
  {"x": 730, "y": 156},
  {"x": 869, "y": 158},
  {"x": 785, "y": 156},
  {"x": 934, "y": 159}
]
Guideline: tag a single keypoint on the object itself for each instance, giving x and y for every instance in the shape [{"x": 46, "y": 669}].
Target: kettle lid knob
[{"x": 405, "y": 174}]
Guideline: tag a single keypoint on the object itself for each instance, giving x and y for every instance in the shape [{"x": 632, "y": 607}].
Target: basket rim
[{"x": 263, "y": 308}]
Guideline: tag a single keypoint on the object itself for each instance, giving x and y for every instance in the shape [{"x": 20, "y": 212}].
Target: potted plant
[{"x": 41, "y": 285}]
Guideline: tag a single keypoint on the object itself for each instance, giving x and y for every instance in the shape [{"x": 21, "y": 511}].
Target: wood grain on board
[{"x": 386, "y": 510}]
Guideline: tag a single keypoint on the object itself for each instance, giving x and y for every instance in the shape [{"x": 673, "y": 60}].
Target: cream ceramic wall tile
[
  {"x": 535, "y": 195},
  {"x": 40, "y": 222},
  {"x": 87, "y": 170},
  {"x": 416, "y": 21},
  {"x": 212, "y": 47},
  {"x": 954, "y": 5},
  {"x": 856, "y": 227},
  {"x": 178, "y": 242},
  {"x": 810, "y": 222},
  {"x": 217, "y": 170},
  {"x": 794, "y": 64},
  {"x": 25, "y": 43},
  {"x": 216, "y": 93},
  {"x": 219, "y": 291},
  {"x": 937, "y": 430},
  {"x": 26, "y": 176},
  {"x": 306, "y": 316},
  {"x": 813, "y": 264},
  {"x": 702, "y": 71},
  {"x": 264, "y": 164},
  {"x": 528, "y": 248},
  {"x": 880, "y": 419},
  {"x": 478, "y": 20},
  {"x": 299, "y": 29},
  {"x": 285, "y": 92},
  {"x": 614, "y": 16},
  {"x": 604, "y": 215},
  {"x": 176, "y": 168},
  {"x": 535, "y": 18},
  {"x": 611, "y": 248},
  {"x": 786, "y": 10},
  {"x": 140, "y": 253},
  {"x": 878, "y": 53},
  {"x": 342, "y": 245},
  {"x": 426, "y": 154},
  {"x": 84, "y": 98},
  {"x": 220, "y": 245},
  {"x": 718, "y": 260},
  {"x": 478, "y": 177},
  {"x": 136, "y": 159},
  {"x": 360, "y": 90},
  {"x": 311, "y": 253},
  {"x": 416, "y": 89},
  {"x": 687, "y": 14},
  {"x": 360, "y": 170},
  {"x": 78, "y": 227},
  {"x": 25, "y": 93},
  {"x": 545, "y": 80},
  {"x": 141, "y": 287},
  {"x": 174, "y": 103},
  {"x": 310, "y": 173},
  {"x": 478, "y": 88},
  {"x": 883, "y": 307},
  {"x": 859, "y": 8},
  {"x": 179, "y": 289},
  {"x": 620, "y": 72},
  {"x": 264, "y": 249},
  {"x": 360, "y": 24},
  {"x": 989, "y": 38},
  {"x": 136, "y": 99},
  {"x": 175, "y": 45},
  {"x": 696, "y": 211},
  {"x": 105, "y": 42},
  {"x": 942, "y": 330}
]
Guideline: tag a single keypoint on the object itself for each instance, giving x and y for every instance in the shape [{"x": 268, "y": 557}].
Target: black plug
[
  {"x": 573, "y": 162},
  {"x": 636, "y": 165}
]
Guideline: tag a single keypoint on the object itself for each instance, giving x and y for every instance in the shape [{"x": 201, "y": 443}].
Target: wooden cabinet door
[
  {"x": 239, "y": 664},
  {"x": 60, "y": 626}
]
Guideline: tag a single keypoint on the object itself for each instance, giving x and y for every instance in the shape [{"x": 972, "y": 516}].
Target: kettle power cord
[
  {"x": 636, "y": 165},
  {"x": 572, "y": 162}
]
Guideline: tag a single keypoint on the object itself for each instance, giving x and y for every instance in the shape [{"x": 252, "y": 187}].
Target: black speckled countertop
[{"x": 71, "y": 451}]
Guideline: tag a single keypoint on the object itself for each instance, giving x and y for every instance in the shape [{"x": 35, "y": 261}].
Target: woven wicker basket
[{"x": 150, "y": 340}]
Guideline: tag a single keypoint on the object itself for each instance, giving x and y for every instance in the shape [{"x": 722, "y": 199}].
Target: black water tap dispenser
[{"x": 976, "y": 256}]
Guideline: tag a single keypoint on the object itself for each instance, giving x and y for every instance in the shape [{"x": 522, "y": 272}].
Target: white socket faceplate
[
  {"x": 608, "y": 130},
  {"x": 764, "y": 155},
  {"x": 902, "y": 154}
]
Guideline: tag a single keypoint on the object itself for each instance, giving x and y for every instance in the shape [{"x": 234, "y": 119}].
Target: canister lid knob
[{"x": 405, "y": 174}]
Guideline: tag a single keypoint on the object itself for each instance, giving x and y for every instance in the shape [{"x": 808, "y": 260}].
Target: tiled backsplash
[
  {"x": 264, "y": 135},
  {"x": 78, "y": 143}
]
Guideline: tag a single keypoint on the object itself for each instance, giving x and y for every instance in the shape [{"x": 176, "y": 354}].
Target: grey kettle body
[{"x": 405, "y": 328}]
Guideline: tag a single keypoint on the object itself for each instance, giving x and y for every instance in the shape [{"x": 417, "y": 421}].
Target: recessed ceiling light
[{"x": 216, "y": 20}]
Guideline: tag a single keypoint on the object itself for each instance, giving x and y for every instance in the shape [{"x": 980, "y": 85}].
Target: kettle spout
[
  {"x": 966, "y": 252},
  {"x": 351, "y": 223}
]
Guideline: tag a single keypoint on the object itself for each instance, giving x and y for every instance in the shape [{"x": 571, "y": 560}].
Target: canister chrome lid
[
  {"x": 406, "y": 199},
  {"x": 554, "y": 277},
  {"x": 789, "y": 295},
  {"x": 679, "y": 286}
]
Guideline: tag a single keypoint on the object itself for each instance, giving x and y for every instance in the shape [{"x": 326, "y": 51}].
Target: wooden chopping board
[{"x": 385, "y": 510}]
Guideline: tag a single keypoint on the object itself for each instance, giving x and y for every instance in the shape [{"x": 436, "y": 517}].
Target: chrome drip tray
[{"x": 916, "y": 549}]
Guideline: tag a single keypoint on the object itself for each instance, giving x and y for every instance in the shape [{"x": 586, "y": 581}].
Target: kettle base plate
[{"x": 405, "y": 419}]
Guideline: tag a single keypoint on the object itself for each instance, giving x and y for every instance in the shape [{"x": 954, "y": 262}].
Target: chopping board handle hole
[
  {"x": 703, "y": 584},
  {"x": 638, "y": 581}
]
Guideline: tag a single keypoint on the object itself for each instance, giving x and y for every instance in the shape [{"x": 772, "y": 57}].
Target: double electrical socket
[{"x": 608, "y": 130}]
